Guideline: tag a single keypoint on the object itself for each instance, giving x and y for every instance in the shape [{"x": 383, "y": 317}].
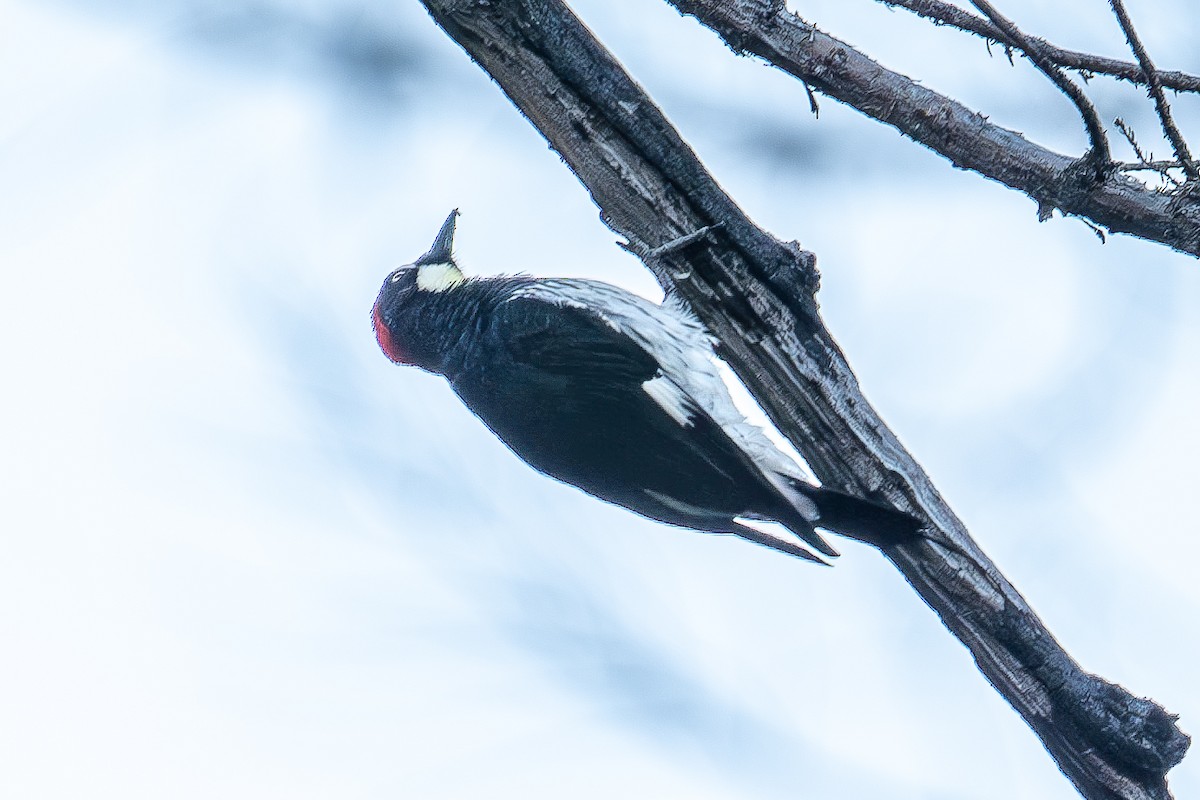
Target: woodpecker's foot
[{"x": 675, "y": 245}]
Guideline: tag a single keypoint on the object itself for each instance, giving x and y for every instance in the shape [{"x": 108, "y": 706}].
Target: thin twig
[
  {"x": 1127, "y": 132},
  {"x": 1146, "y": 161},
  {"x": 1099, "y": 152},
  {"x": 813, "y": 106},
  {"x": 1178, "y": 144},
  {"x": 1096, "y": 230},
  {"x": 1158, "y": 166},
  {"x": 953, "y": 16}
]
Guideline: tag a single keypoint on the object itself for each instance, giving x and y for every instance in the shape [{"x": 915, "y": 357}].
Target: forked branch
[{"x": 1099, "y": 156}]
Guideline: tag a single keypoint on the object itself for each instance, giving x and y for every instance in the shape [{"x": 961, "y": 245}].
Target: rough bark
[
  {"x": 755, "y": 293},
  {"x": 1118, "y": 203}
]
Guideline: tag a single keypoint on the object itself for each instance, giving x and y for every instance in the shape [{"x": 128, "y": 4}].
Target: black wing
[{"x": 567, "y": 392}]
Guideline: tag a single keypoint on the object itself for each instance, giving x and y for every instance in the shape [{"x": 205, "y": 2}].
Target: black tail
[{"x": 861, "y": 519}]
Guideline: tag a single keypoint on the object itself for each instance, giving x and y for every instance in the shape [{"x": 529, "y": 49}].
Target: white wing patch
[
  {"x": 749, "y": 408},
  {"x": 671, "y": 399}
]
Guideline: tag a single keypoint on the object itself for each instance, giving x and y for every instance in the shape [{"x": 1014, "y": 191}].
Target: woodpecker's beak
[{"x": 442, "y": 245}]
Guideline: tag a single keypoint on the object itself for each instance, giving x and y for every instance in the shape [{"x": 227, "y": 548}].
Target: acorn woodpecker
[{"x": 614, "y": 394}]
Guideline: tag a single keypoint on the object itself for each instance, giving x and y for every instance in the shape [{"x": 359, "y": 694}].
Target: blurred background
[{"x": 245, "y": 556}]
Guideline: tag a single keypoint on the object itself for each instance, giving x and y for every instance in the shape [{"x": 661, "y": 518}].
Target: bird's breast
[{"x": 387, "y": 342}]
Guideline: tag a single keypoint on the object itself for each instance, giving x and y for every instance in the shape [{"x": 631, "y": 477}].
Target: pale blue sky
[{"x": 245, "y": 556}]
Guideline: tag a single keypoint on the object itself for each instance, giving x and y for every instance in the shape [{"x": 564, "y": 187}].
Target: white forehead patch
[{"x": 438, "y": 277}]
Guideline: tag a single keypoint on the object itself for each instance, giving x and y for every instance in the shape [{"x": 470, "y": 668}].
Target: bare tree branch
[
  {"x": 1156, "y": 91},
  {"x": 1153, "y": 165},
  {"x": 1119, "y": 204},
  {"x": 1099, "y": 155},
  {"x": 755, "y": 294},
  {"x": 1146, "y": 162},
  {"x": 953, "y": 16}
]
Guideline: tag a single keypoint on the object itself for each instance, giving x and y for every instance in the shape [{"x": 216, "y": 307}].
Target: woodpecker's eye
[{"x": 401, "y": 280}]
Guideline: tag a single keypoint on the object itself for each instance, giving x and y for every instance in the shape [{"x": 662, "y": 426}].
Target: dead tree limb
[
  {"x": 941, "y": 13},
  {"x": 1118, "y": 204},
  {"x": 756, "y": 294},
  {"x": 1154, "y": 84}
]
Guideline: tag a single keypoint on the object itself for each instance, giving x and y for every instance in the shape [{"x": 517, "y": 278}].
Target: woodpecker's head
[{"x": 406, "y": 289}]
